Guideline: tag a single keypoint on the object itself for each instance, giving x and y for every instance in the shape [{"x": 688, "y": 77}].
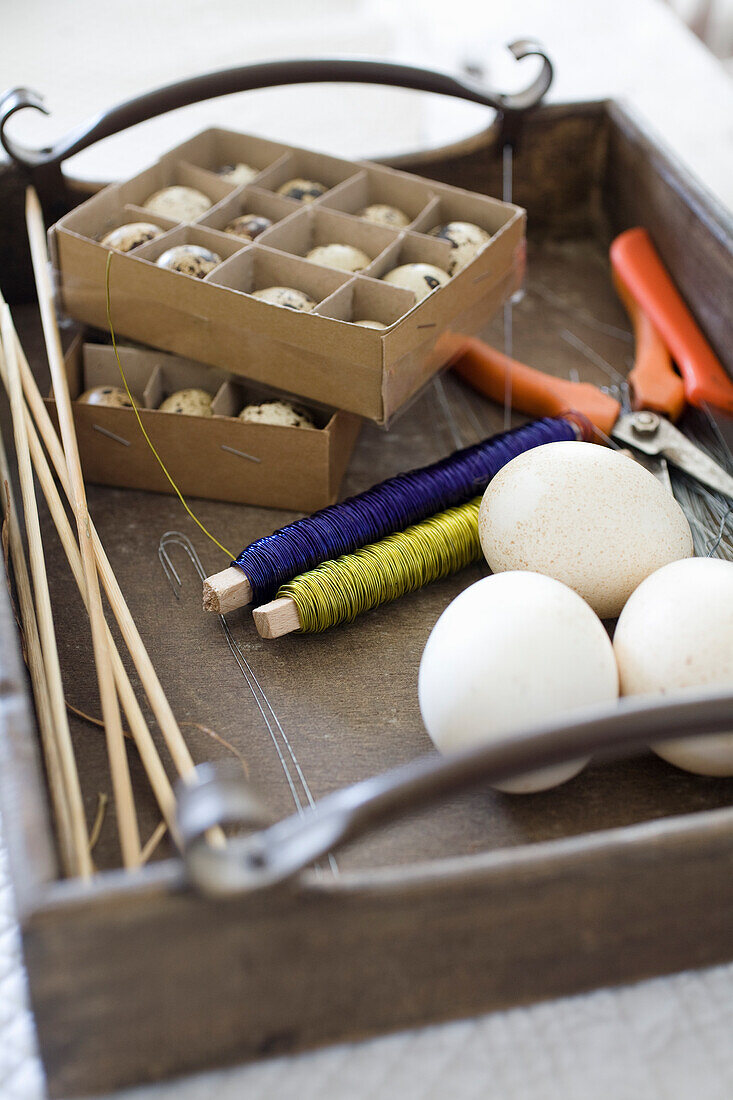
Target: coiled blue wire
[{"x": 389, "y": 506}]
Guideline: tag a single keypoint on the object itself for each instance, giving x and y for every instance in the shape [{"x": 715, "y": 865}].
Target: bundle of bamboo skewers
[{"x": 90, "y": 566}]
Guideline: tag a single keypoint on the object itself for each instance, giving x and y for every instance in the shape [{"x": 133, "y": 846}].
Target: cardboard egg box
[
  {"x": 321, "y": 355},
  {"x": 218, "y": 457}
]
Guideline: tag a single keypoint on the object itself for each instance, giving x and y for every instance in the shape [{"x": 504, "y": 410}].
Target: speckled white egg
[
  {"x": 182, "y": 204},
  {"x": 189, "y": 402},
  {"x": 370, "y": 324},
  {"x": 466, "y": 240},
  {"x": 302, "y": 190},
  {"x": 238, "y": 173},
  {"x": 344, "y": 257},
  {"x": 513, "y": 651},
  {"x": 126, "y": 237},
  {"x": 587, "y": 516},
  {"x": 421, "y": 279},
  {"x": 286, "y": 296},
  {"x": 381, "y": 213},
  {"x": 113, "y": 397},
  {"x": 280, "y": 413},
  {"x": 248, "y": 226},
  {"x": 675, "y": 634},
  {"x": 189, "y": 259}
]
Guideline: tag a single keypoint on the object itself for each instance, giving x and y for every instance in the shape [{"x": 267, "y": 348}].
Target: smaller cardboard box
[
  {"x": 218, "y": 457},
  {"x": 324, "y": 355}
]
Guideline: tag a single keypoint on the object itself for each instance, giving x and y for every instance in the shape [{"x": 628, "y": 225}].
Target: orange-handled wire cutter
[{"x": 664, "y": 329}]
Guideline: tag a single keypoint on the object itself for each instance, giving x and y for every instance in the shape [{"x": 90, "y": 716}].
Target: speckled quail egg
[
  {"x": 182, "y": 204},
  {"x": 114, "y": 397},
  {"x": 127, "y": 237},
  {"x": 344, "y": 257},
  {"x": 382, "y": 214},
  {"x": 238, "y": 173},
  {"x": 466, "y": 240},
  {"x": 190, "y": 402},
  {"x": 370, "y": 324},
  {"x": 302, "y": 190},
  {"x": 421, "y": 279},
  {"x": 189, "y": 259},
  {"x": 286, "y": 296},
  {"x": 276, "y": 412},
  {"x": 248, "y": 226}
]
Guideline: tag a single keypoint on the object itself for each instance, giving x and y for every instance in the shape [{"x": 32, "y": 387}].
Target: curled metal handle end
[{"x": 12, "y": 101}]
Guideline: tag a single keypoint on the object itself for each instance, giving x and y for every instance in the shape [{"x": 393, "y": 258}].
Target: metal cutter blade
[{"x": 653, "y": 435}]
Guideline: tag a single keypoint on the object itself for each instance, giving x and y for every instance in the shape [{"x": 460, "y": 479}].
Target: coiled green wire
[{"x": 337, "y": 591}]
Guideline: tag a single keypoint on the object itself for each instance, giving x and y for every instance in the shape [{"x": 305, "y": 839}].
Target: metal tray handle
[
  {"x": 44, "y": 165},
  {"x": 266, "y": 857}
]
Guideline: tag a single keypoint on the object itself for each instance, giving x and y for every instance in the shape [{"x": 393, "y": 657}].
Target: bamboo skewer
[
  {"x": 72, "y": 823},
  {"x": 120, "y": 772},
  {"x": 34, "y": 656},
  {"x": 138, "y": 727},
  {"x": 153, "y": 689}
]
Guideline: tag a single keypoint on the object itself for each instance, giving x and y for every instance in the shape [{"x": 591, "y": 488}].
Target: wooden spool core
[
  {"x": 277, "y": 618},
  {"x": 226, "y": 591}
]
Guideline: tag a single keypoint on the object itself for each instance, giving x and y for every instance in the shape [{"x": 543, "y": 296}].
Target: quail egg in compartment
[
  {"x": 466, "y": 221},
  {"x": 189, "y": 250},
  {"x": 331, "y": 239},
  {"x": 305, "y": 177},
  {"x": 276, "y": 279},
  {"x": 257, "y": 404},
  {"x": 236, "y": 159},
  {"x": 182, "y": 193},
  {"x": 368, "y": 304},
  {"x": 418, "y": 264},
  {"x": 389, "y": 199},
  {"x": 249, "y": 214}
]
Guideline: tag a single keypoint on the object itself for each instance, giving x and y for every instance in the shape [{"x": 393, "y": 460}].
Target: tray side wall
[{"x": 168, "y": 984}]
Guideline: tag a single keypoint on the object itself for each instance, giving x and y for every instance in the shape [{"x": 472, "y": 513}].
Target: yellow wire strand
[
  {"x": 148, "y": 440},
  {"x": 337, "y": 591}
]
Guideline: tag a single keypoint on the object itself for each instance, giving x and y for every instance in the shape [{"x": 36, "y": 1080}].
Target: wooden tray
[{"x": 483, "y": 902}]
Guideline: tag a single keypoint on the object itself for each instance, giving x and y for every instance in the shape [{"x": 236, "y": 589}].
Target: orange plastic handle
[
  {"x": 637, "y": 265},
  {"x": 654, "y": 381},
  {"x": 533, "y": 392}
]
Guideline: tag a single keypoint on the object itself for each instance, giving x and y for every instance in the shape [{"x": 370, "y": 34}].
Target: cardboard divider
[
  {"x": 258, "y": 267},
  {"x": 216, "y": 320},
  {"x": 315, "y": 226},
  {"x": 373, "y": 185},
  {"x": 222, "y": 244},
  {"x": 305, "y": 164},
  {"x": 250, "y": 200},
  {"x": 365, "y": 299},
  {"x": 234, "y": 396},
  {"x": 215, "y": 149},
  {"x": 173, "y": 173},
  {"x": 215, "y": 457},
  {"x": 106, "y": 211},
  {"x": 412, "y": 248},
  {"x": 452, "y": 205}
]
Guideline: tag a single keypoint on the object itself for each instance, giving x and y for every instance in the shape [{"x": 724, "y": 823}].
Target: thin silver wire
[
  {"x": 507, "y": 169},
  {"x": 270, "y": 718}
]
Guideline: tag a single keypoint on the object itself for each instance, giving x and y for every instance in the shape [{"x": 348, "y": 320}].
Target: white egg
[
  {"x": 512, "y": 651},
  {"x": 674, "y": 635},
  {"x": 587, "y": 516}
]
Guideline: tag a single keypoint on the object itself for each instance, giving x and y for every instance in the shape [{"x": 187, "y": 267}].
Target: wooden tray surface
[{"x": 125, "y": 978}]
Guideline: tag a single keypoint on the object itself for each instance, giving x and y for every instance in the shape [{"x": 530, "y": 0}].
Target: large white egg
[
  {"x": 512, "y": 651},
  {"x": 587, "y": 516},
  {"x": 674, "y": 635}
]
